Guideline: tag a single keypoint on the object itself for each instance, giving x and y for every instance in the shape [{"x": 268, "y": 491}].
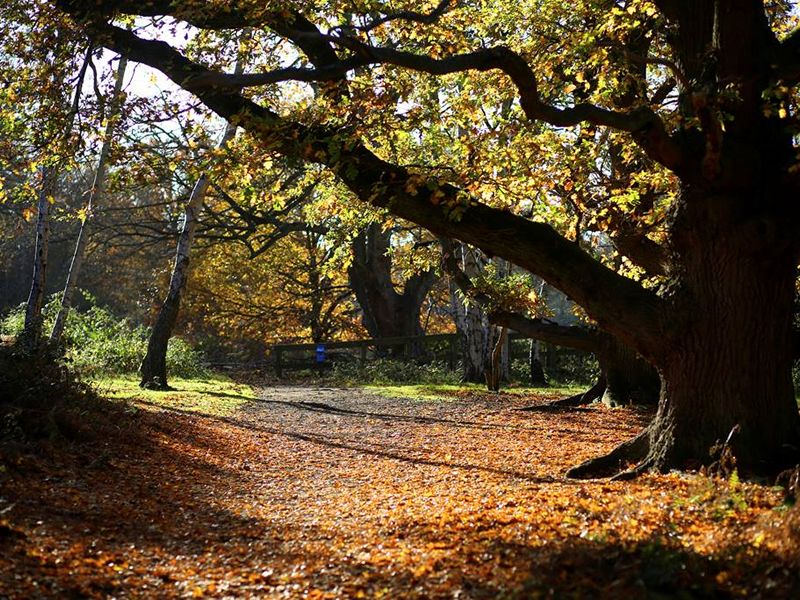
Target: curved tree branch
[
  {"x": 645, "y": 126},
  {"x": 409, "y": 16},
  {"x": 617, "y": 303},
  {"x": 643, "y": 251},
  {"x": 199, "y": 14},
  {"x": 579, "y": 338}
]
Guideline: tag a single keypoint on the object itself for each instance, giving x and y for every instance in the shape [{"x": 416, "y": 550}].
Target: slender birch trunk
[
  {"x": 33, "y": 310},
  {"x": 98, "y": 187},
  {"x": 31, "y": 333},
  {"x": 494, "y": 371},
  {"x": 153, "y": 370}
]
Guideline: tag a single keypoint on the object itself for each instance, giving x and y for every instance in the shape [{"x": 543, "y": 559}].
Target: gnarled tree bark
[{"x": 386, "y": 312}]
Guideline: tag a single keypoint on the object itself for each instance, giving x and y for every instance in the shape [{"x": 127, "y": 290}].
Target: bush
[
  {"x": 387, "y": 371},
  {"x": 98, "y": 342},
  {"x": 566, "y": 367},
  {"x": 41, "y": 399}
]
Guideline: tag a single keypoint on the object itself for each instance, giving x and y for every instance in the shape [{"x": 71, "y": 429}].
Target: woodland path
[{"x": 337, "y": 493}]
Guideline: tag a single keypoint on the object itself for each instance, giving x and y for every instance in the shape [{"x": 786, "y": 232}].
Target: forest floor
[{"x": 308, "y": 492}]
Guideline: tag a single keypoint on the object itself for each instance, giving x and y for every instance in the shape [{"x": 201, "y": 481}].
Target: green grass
[
  {"x": 444, "y": 392},
  {"x": 214, "y": 395}
]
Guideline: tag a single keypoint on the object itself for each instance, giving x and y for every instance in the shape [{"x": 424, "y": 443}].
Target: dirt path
[{"x": 334, "y": 493}]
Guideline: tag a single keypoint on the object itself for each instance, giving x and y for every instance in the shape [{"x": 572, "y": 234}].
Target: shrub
[
  {"x": 566, "y": 367},
  {"x": 41, "y": 399},
  {"x": 98, "y": 342},
  {"x": 387, "y": 371}
]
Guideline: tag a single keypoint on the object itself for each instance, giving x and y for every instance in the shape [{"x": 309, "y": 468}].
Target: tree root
[
  {"x": 634, "y": 450},
  {"x": 642, "y": 467},
  {"x": 593, "y": 393},
  {"x": 156, "y": 385}
]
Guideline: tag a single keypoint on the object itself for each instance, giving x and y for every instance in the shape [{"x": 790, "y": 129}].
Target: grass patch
[
  {"x": 215, "y": 395},
  {"x": 445, "y": 392}
]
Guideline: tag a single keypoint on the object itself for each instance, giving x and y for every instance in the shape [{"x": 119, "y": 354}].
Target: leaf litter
[{"x": 336, "y": 493}]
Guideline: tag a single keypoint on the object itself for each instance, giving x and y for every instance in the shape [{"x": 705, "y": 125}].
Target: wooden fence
[
  {"x": 560, "y": 362},
  {"x": 322, "y": 356}
]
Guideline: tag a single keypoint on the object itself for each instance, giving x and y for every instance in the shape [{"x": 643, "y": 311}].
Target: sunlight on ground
[
  {"x": 439, "y": 392},
  {"x": 216, "y": 395},
  {"x": 335, "y": 494}
]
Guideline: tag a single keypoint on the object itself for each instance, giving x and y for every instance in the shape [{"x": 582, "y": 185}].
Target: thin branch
[
  {"x": 662, "y": 62},
  {"x": 404, "y": 15}
]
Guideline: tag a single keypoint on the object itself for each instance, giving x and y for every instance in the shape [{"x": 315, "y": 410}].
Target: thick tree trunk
[
  {"x": 493, "y": 371},
  {"x": 98, "y": 187},
  {"x": 537, "y": 377},
  {"x": 732, "y": 366},
  {"x": 629, "y": 378},
  {"x": 726, "y": 377},
  {"x": 472, "y": 324},
  {"x": 473, "y": 333},
  {"x": 385, "y": 311}
]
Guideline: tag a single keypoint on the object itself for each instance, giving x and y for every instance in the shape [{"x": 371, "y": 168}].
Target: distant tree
[{"x": 386, "y": 310}]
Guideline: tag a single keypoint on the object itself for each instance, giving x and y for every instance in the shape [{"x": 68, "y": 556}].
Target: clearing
[{"x": 308, "y": 492}]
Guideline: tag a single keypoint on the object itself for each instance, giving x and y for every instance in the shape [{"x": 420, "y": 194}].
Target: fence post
[
  {"x": 320, "y": 357},
  {"x": 278, "y": 365},
  {"x": 453, "y": 354},
  {"x": 363, "y": 354}
]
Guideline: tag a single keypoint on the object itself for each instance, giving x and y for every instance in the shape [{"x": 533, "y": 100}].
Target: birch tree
[
  {"x": 95, "y": 193},
  {"x": 53, "y": 161},
  {"x": 153, "y": 370}
]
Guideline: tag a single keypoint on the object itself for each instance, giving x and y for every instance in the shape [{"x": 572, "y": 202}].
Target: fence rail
[
  {"x": 562, "y": 363},
  {"x": 279, "y": 351}
]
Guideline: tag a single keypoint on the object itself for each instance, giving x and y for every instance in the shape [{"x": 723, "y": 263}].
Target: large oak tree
[{"x": 719, "y": 329}]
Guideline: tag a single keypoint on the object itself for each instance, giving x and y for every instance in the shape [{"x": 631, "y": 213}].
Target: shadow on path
[
  {"x": 321, "y": 407},
  {"x": 370, "y": 450}
]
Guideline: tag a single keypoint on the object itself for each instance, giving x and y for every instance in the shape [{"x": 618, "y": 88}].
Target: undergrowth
[
  {"x": 388, "y": 371},
  {"x": 98, "y": 342},
  {"x": 42, "y": 402}
]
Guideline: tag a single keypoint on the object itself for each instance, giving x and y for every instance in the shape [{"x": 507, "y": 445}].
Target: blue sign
[{"x": 320, "y": 353}]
